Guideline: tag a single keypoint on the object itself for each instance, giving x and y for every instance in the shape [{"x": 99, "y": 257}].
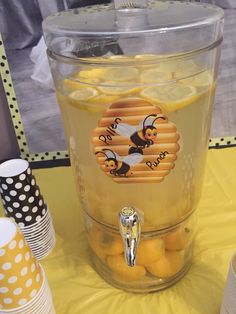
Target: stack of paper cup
[
  {"x": 229, "y": 299},
  {"x": 23, "y": 284},
  {"x": 24, "y": 203}
]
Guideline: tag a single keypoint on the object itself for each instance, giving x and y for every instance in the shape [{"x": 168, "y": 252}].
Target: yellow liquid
[{"x": 160, "y": 204}]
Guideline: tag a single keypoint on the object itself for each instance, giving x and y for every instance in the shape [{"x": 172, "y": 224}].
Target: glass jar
[{"x": 136, "y": 89}]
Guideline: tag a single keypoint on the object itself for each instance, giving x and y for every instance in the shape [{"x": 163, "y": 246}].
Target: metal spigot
[{"x": 130, "y": 232}]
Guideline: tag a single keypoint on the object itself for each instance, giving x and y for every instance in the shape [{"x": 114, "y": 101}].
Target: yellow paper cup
[
  {"x": 42, "y": 302},
  {"x": 20, "y": 273}
]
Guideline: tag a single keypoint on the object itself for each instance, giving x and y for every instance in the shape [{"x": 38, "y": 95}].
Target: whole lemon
[
  {"x": 104, "y": 242},
  {"x": 177, "y": 239},
  {"x": 149, "y": 251},
  {"x": 167, "y": 266},
  {"x": 119, "y": 267}
]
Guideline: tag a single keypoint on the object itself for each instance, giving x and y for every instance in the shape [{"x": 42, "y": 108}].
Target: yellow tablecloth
[{"x": 76, "y": 287}]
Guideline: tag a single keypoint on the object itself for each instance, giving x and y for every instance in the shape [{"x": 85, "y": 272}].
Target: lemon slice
[
  {"x": 97, "y": 73},
  {"x": 115, "y": 89},
  {"x": 155, "y": 76},
  {"x": 185, "y": 68},
  {"x": 89, "y": 99},
  {"x": 71, "y": 84},
  {"x": 99, "y": 103},
  {"x": 203, "y": 79},
  {"x": 123, "y": 74},
  {"x": 83, "y": 93},
  {"x": 171, "y": 97},
  {"x": 120, "y": 74},
  {"x": 170, "y": 66},
  {"x": 104, "y": 99}
]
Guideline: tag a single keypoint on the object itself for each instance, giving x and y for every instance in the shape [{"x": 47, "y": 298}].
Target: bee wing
[
  {"x": 125, "y": 129},
  {"x": 111, "y": 154},
  {"x": 117, "y": 156},
  {"x": 140, "y": 126},
  {"x": 133, "y": 159},
  {"x": 149, "y": 121}
]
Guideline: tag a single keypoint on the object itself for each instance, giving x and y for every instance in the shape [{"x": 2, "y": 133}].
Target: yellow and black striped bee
[
  {"x": 143, "y": 136},
  {"x": 117, "y": 166}
]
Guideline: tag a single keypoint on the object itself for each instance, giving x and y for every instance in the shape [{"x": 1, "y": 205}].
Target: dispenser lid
[{"x": 160, "y": 19}]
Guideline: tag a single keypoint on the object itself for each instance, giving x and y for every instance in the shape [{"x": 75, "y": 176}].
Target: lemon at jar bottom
[
  {"x": 168, "y": 265},
  {"x": 105, "y": 243},
  {"x": 119, "y": 267},
  {"x": 149, "y": 251},
  {"x": 178, "y": 239}
]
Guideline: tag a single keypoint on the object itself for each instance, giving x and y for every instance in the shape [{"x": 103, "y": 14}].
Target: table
[{"x": 76, "y": 287}]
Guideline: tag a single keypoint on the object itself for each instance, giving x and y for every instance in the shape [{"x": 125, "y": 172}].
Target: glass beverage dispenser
[{"x": 136, "y": 85}]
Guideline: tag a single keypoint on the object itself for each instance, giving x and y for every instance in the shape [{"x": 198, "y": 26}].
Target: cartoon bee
[
  {"x": 117, "y": 166},
  {"x": 143, "y": 136}
]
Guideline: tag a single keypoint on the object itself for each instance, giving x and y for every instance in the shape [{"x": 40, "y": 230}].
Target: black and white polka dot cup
[
  {"x": 21, "y": 196},
  {"x": 41, "y": 237},
  {"x": 24, "y": 203}
]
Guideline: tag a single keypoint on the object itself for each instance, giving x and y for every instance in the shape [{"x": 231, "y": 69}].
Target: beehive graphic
[{"x": 138, "y": 160}]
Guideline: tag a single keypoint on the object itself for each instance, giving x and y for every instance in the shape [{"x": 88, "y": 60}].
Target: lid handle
[
  {"x": 131, "y": 14},
  {"x": 129, "y": 4}
]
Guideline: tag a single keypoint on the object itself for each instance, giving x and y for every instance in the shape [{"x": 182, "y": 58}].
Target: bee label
[
  {"x": 155, "y": 163},
  {"x": 110, "y": 132},
  {"x": 135, "y": 143}
]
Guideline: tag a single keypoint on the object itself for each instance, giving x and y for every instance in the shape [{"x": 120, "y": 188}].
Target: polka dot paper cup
[
  {"x": 41, "y": 237},
  {"x": 41, "y": 303},
  {"x": 24, "y": 203},
  {"x": 37, "y": 226},
  {"x": 20, "y": 274},
  {"x": 20, "y": 194}
]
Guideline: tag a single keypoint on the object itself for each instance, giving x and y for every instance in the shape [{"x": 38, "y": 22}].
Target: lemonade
[
  {"x": 101, "y": 105},
  {"x": 138, "y": 136}
]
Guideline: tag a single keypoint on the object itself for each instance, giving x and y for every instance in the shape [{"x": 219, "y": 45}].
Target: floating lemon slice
[
  {"x": 104, "y": 99},
  {"x": 72, "y": 85},
  {"x": 83, "y": 94},
  {"x": 90, "y": 100},
  {"x": 168, "y": 66},
  {"x": 97, "y": 73},
  {"x": 171, "y": 97},
  {"x": 203, "y": 79},
  {"x": 155, "y": 76},
  {"x": 185, "y": 68},
  {"x": 123, "y": 74},
  {"x": 99, "y": 103},
  {"x": 79, "y": 96},
  {"x": 115, "y": 89}
]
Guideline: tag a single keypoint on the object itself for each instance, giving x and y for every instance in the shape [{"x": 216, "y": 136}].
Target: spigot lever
[{"x": 130, "y": 232}]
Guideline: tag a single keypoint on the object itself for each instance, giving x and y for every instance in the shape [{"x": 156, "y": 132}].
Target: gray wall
[{"x": 8, "y": 143}]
